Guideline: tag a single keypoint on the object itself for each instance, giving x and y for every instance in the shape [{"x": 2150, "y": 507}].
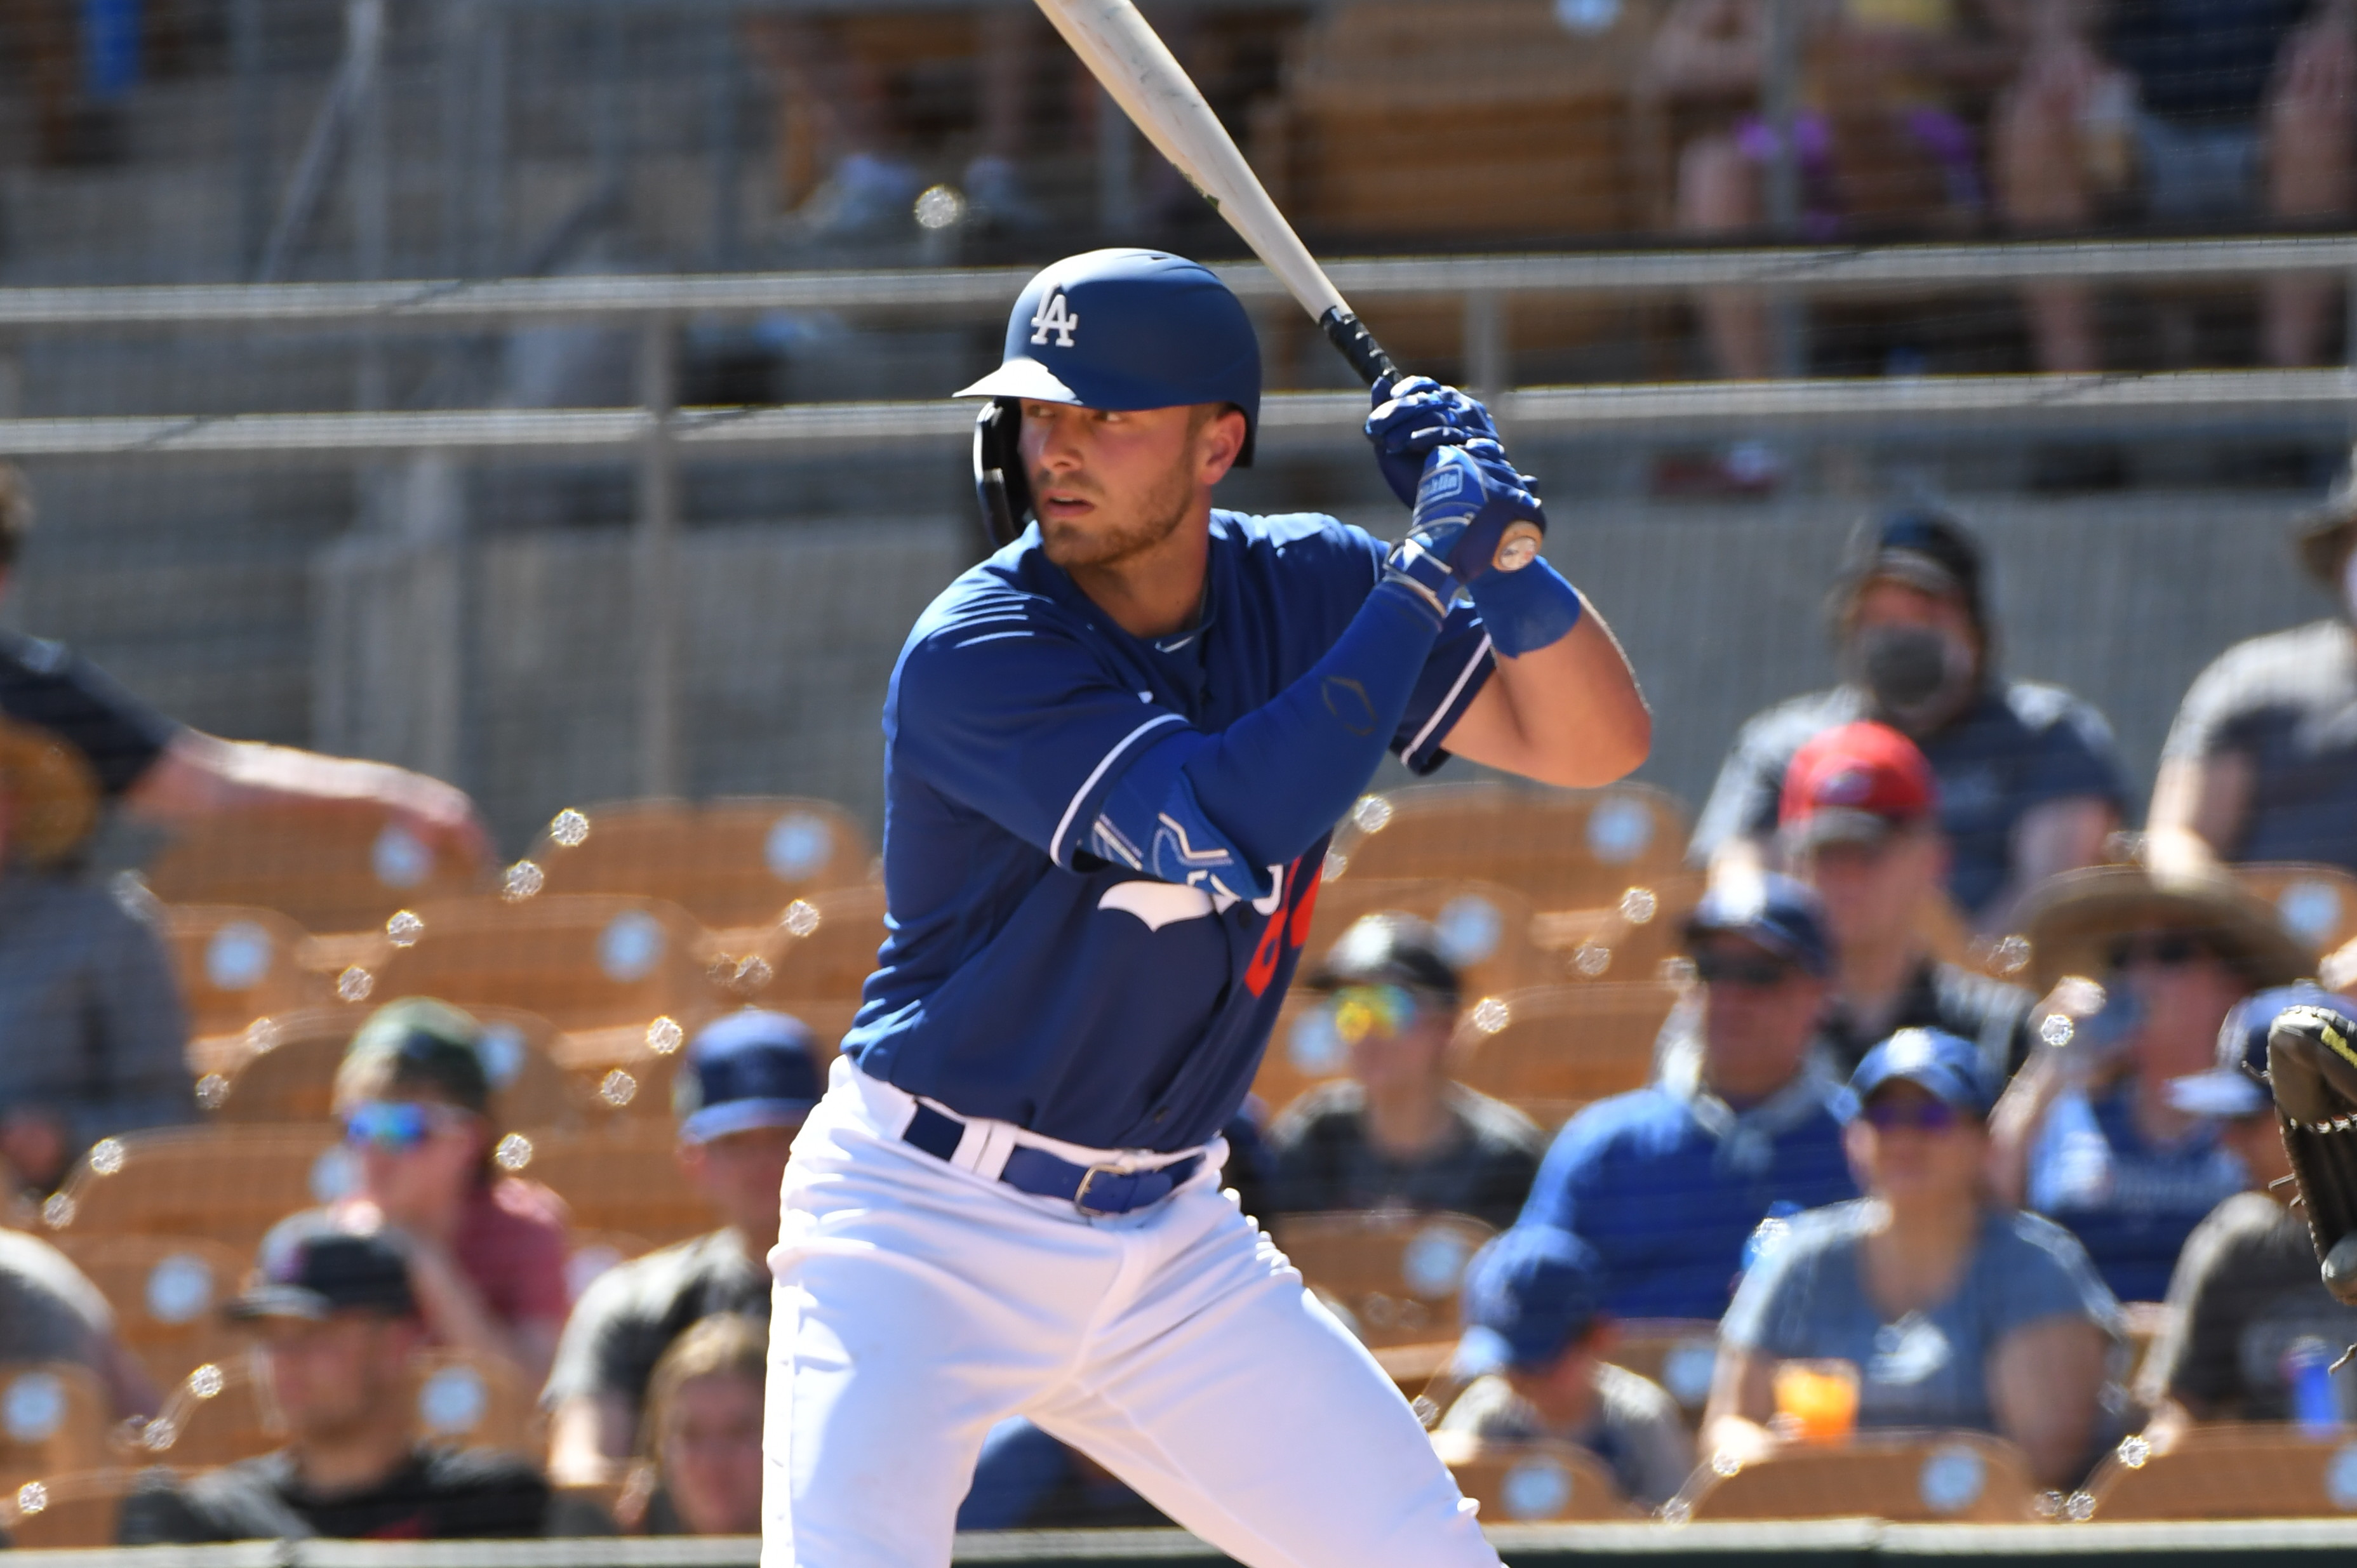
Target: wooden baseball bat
[{"x": 1133, "y": 64}]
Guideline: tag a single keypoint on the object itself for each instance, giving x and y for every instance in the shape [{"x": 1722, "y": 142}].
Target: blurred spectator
[
  {"x": 166, "y": 772},
  {"x": 49, "y": 1311},
  {"x": 746, "y": 1084},
  {"x": 1025, "y": 1479},
  {"x": 2249, "y": 1317},
  {"x": 2029, "y": 782},
  {"x": 704, "y": 1428},
  {"x": 837, "y": 108},
  {"x": 485, "y": 1251},
  {"x": 2261, "y": 763},
  {"x": 337, "y": 1328},
  {"x": 2208, "y": 112},
  {"x": 1859, "y": 822},
  {"x": 1880, "y": 141},
  {"x": 1534, "y": 1342},
  {"x": 1667, "y": 1184},
  {"x": 2143, "y": 967},
  {"x": 1957, "y": 1313},
  {"x": 96, "y": 1038},
  {"x": 1398, "y": 1133}
]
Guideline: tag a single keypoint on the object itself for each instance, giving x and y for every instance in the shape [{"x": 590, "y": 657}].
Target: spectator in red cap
[
  {"x": 1860, "y": 822},
  {"x": 2030, "y": 783}
]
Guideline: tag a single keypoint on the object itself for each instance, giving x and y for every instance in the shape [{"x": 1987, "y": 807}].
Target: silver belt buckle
[{"x": 1088, "y": 1179}]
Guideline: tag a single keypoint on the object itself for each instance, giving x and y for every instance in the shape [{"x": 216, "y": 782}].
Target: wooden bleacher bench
[
  {"x": 226, "y": 1184},
  {"x": 2225, "y": 1471},
  {"x": 1907, "y": 1478},
  {"x": 1680, "y": 1354},
  {"x": 729, "y": 863},
  {"x": 1485, "y": 927},
  {"x": 54, "y": 1418},
  {"x": 1533, "y": 1483},
  {"x": 1552, "y": 1049},
  {"x": 581, "y": 962},
  {"x": 235, "y": 965},
  {"x": 286, "y": 1072},
  {"x": 621, "y": 1177},
  {"x": 167, "y": 1292},
  {"x": 1393, "y": 1277},
  {"x": 1567, "y": 849}
]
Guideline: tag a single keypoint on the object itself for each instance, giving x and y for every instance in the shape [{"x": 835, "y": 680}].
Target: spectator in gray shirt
[
  {"x": 2261, "y": 763},
  {"x": 95, "y": 1039},
  {"x": 1535, "y": 1338},
  {"x": 1955, "y": 1312}
]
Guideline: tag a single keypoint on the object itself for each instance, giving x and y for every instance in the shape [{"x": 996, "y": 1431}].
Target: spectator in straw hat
[
  {"x": 2029, "y": 782},
  {"x": 1860, "y": 823},
  {"x": 485, "y": 1251},
  {"x": 165, "y": 771},
  {"x": 1398, "y": 1133},
  {"x": 88, "y": 1006},
  {"x": 2261, "y": 763},
  {"x": 2143, "y": 966}
]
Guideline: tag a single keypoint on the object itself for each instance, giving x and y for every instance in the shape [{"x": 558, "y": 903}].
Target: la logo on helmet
[{"x": 1055, "y": 316}]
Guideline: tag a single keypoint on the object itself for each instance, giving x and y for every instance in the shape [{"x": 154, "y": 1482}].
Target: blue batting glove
[
  {"x": 1414, "y": 416},
  {"x": 1468, "y": 496}
]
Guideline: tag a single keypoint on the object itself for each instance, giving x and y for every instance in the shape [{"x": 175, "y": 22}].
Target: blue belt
[{"x": 1092, "y": 1189}]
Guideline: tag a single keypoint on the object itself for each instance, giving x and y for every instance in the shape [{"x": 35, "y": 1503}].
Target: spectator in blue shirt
[
  {"x": 2143, "y": 966},
  {"x": 1668, "y": 1183},
  {"x": 2029, "y": 783},
  {"x": 1956, "y": 1312}
]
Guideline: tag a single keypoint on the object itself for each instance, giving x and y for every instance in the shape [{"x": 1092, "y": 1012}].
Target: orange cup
[{"x": 1816, "y": 1401}]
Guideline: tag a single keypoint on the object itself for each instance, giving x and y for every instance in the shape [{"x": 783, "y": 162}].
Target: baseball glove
[{"x": 2312, "y": 1068}]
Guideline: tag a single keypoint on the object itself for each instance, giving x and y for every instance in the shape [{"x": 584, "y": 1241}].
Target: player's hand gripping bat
[{"x": 1137, "y": 68}]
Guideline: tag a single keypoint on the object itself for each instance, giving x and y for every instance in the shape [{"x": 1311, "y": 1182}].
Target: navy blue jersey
[{"x": 1026, "y": 977}]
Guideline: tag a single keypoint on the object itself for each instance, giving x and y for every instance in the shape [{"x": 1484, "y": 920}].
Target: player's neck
[{"x": 1159, "y": 590}]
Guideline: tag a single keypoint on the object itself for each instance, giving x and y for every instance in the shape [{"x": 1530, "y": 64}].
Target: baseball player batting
[{"x": 1115, "y": 753}]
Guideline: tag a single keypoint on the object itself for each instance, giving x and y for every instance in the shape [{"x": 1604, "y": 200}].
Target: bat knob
[{"x": 1517, "y": 548}]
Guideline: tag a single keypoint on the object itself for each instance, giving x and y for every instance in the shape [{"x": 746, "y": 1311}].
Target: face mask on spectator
[{"x": 1916, "y": 674}]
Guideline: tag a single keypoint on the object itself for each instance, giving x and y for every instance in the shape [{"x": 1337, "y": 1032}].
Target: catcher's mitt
[{"x": 2312, "y": 1068}]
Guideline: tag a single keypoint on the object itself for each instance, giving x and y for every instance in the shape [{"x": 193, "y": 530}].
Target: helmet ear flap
[{"x": 1000, "y": 487}]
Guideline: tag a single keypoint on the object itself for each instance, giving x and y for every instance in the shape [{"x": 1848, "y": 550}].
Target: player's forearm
[
  {"x": 1267, "y": 788},
  {"x": 1569, "y": 713}
]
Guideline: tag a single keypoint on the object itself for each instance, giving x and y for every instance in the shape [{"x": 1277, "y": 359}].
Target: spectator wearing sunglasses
[
  {"x": 746, "y": 1083},
  {"x": 2261, "y": 763},
  {"x": 1667, "y": 1184},
  {"x": 2141, "y": 968},
  {"x": 2251, "y": 1332},
  {"x": 485, "y": 1251},
  {"x": 1958, "y": 1312},
  {"x": 336, "y": 1332},
  {"x": 1534, "y": 1349},
  {"x": 2029, "y": 781},
  {"x": 1859, "y": 822},
  {"x": 1398, "y": 1133}
]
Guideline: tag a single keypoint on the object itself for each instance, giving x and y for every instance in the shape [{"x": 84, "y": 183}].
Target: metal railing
[{"x": 660, "y": 434}]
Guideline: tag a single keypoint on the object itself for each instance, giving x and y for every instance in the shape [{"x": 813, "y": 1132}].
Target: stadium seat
[
  {"x": 228, "y": 1184},
  {"x": 1678, "y": 1353},
  {"x": 167, "y": 1292},
  {"x": 583, "y": 962},
  {"x": 727, "y": 863},
  {"x": 1567, "y": 849},
  {"x": 1629, "y": 940},
  {"x": 1554, "y": 1049},
  {"x": 53, "y": 1419},
  {"x": 822, "y": 949},
  {"x": 1485, "y": 929},
  {"x": 621, "y": 1070},
  {"x": 1392, "y": 1277},
  {"x": 1533, "y": 1483},
  {"x": 620, "y": 1177},
  {"x": 2225, "y": 1471},
  {"x": 288, "y": 1070},
  {"x": 235, "y": 965},
  {"x": 341, "y": 866},
  {"x": 2319, "y": 903},
  {"x": 1907, "y": 1478},
  {"x": 474, "y": 1401},
  {"x": 74, "y": 1510}
]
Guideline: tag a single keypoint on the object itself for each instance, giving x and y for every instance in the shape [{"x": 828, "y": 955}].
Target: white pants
[{"x": 917, "y": 1304}]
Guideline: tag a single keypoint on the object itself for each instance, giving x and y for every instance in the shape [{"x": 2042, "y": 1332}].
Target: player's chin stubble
[{"x": 1108, "y": 539}]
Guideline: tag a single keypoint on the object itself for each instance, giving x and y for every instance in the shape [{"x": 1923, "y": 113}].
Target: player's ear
[{"x": 1219, "y": 440}]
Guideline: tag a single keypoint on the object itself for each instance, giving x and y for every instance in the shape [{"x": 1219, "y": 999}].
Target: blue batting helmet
[{"x": 1129, "y": 328}]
